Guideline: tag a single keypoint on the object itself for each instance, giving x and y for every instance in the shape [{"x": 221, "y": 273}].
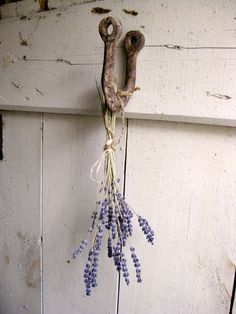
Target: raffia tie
[
  {"x": 110, "y": 145},
  {"x": 128, "y": 93},
  {"x": 109, "y": 148}
]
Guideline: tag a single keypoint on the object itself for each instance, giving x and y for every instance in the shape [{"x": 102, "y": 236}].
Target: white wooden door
[{"x": 180, "y": 176}]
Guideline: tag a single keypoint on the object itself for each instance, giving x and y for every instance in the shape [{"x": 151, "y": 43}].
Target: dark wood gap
[
  {"x": 233, "y": 295},
  {"x": 1, "y": 138},
  {"x": 124, "y": 188},
  {"x": 8, "y": 1}
]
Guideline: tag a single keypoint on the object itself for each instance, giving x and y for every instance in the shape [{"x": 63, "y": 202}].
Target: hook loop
[
  {"x": 134, "y": 42},
  {"x": 116, "y": 29}
]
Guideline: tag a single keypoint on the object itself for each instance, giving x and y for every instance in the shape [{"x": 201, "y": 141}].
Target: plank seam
[
  {"x": 177, "y": 118},
  {"x": 124, "y": 188},
  {"x": 179, "y": 47},
  {"x": 41, "y": 213},
  {"x": 167, "y": 46},
  {"x": 233, "y": 295},
  {"x": 1, "y": 138}
]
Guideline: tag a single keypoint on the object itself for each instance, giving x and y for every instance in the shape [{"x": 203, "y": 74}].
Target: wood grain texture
[
  {"x": 189, "y": 24},
  {"x": 20, "y": 214},
  {"x": 182, "y": 179},
  {"x": 186, "y": 71},
  {"x": 71, "y": 146}
]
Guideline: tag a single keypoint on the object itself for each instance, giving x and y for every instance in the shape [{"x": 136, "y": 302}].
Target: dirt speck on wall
[
  {"x": 100, "y": 10},
  {"x": 29, "y": 266},
  {"x": 7, "y": 259},
  {"x": 33, "y": 274},
  {"x": 131, "y": 12}
]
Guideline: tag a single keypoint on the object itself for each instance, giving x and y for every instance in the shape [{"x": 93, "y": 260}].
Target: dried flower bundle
[{"x": 112, "y": 217}]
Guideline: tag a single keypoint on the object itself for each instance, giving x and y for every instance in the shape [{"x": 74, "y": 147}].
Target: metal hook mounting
[{"x": 133, "y": 42}]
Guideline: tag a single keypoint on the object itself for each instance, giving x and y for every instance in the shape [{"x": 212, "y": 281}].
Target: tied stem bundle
[
  {"x": 109, "y": 119},
  {"x": 112, "y": 216}
]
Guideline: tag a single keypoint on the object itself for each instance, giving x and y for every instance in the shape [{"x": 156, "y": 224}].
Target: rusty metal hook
[{"x": 133, "y": 42}]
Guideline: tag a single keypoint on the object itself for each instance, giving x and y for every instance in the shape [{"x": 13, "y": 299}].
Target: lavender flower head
[{"x": 112, "y": 216}]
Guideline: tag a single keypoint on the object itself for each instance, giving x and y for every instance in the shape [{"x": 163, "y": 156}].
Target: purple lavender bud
[
  {"x": 80, "y": 249},
  {"x": 117, "y": 256},
  {"x": 88, "y": 292},
  {"x": 136, "y": 264},
  {"x": 127, "y": 281},
  {"x": 148, "y": 232},
  {"x": 118, "y": 195},
  {"x": 109, "y": 247},
  {"x": 94, "y": 218}
]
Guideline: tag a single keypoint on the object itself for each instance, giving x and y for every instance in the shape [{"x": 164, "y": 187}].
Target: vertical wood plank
[
  {"x": 71, "y": 146},
  {"x": 182, "y": 179},
  {"x": 20, "y": 214}
]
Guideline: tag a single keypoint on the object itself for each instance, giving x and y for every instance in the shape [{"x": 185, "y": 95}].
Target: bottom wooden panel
[
  {"x": 20, "y": 214},
  {"x": 182, "y": 178},
  {"x": 71, "y": 145}
]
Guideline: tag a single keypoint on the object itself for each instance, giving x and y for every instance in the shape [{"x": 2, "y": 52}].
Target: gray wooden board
[
  {"x": 181, "y": 177},
  {"x": 71, "y": 145},
  {"x": 186, "y": 71},
  {"x": 20, "y": 214}
]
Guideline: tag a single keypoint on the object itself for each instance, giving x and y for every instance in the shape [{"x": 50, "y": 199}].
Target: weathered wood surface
[
  {"x": 20, "y": 283},
  {"x": 182, "y": 179},
  {"x": 186, "y": 71},
  {"x": 71, "y": 146}
]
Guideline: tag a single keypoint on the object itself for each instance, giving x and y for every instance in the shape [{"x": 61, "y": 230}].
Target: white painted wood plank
[
  {"x": 234, "y": 309},
  {"x": 29, "y": 7},
  {"x": 183, "y": 182},
  {"x": 69, "y": 34},
  {"x": 71, "y": 146},
  {"x": 175, "y": 85},
  {"x": 20, "y": 214}
]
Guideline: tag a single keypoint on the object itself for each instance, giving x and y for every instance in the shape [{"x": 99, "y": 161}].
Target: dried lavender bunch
[{"x": 112, "y": 215}]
